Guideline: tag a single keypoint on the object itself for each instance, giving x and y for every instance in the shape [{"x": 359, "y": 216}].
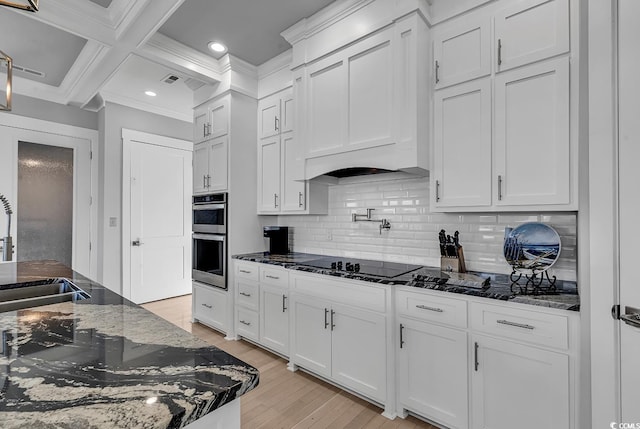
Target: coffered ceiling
[{"x": 82, "y": 52}]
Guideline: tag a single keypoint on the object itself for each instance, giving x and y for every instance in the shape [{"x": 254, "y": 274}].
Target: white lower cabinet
[
  {"x": 346, "y": 343},
  {"x": 433, "y": 372},
  {"x": 515, "y": 385},
  {"x": 209, "y": 306},
  {"x": 274, "y": 318}
]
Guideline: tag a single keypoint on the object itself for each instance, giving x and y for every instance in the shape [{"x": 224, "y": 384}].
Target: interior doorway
[{"x": 45, "y": 203}]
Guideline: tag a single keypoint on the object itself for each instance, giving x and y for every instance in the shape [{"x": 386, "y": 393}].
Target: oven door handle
[
  {"x": 209, "y": 206},
  {"x": 211, "y": 237}
]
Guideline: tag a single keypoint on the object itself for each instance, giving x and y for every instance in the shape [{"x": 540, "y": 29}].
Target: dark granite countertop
[
  {"x": 105, "y": 362},
  {"x": 566, "y": 296}
]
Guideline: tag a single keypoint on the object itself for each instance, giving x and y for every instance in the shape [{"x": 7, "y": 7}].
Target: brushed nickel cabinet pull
[
  {"x": 499, "y": 188},
  {"x": 299, "y": 199},
  {"x": 499, "y": 52},
  {"x": 244, "y": 271},
  {"x": 245, "y": 294},
  {"x": 437, "y": 69},
  {"x": 333, "y": 325},
  {"x": 245, "y": 322},
  {"x": 275, "y": 201},
  {"x": 401, "y": 337},
  {"x": 437, "y": 190},
  {"x": 284, "y": 303},
  {"x": 425, "y": 307},
  {"x": 517, "y": 325},
  {"x": 272, "y": 277},
  {"x": 326, "y": 323},
  {"x": 208, "y": 306},
  {"x": 277, "y": 124}
]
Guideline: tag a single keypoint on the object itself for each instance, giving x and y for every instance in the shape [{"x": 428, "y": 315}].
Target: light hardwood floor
[{"x": 285, "y": 399}]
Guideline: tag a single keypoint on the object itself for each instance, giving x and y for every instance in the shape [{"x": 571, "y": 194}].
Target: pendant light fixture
[
  {"x": 30, "y": 5},
  {"x": 6, "y": 58}
]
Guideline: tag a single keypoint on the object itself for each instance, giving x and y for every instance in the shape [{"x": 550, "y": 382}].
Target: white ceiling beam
[
  {"x": 181, "y": 58},
  {"x": 136, "y": 33}
]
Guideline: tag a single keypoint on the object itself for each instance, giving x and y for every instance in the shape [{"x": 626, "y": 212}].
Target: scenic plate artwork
[{"x": 531, "y": 247}]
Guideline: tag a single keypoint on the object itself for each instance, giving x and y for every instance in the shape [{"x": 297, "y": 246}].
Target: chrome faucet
[{"x": 7, "y": 242}]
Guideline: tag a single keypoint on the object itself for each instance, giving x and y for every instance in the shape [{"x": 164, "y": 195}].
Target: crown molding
[{"x": 275, "y": 64}]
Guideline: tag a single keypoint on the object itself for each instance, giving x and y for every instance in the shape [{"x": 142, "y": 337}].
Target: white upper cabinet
[
  {"x": 531, "y": 30},
  {"x": 279, "y": 158},
  {"x": 506, "y": 135},
  {"x": 462, "y": 51},
  {"x": 210, "y": 165},
  {"x": 532, "y": 148},
  {"x": 462, "y": 148},
  {"x": 211, "y": 120}
]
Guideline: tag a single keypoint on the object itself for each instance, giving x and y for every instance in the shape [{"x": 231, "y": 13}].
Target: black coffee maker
[{"x": 278, "y": 239}]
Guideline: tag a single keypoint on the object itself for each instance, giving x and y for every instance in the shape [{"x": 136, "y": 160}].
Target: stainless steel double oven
[{"x": 210, "y": 239}]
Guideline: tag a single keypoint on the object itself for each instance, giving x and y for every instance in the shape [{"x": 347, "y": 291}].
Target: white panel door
[
  {"x": 359, "y": 357},
  {"x": 274, "y": 318},
  {"x": 200, "y": 168},
  {"x": 219, "y": 116},
  {"x": 532, "y": 147},
  {"x": 269, "y": 116},
  {"x": 531, "y": 30},
  {"x": 160, "y": 190},
  {"x": 218, "y": 164},
  {"x": 200, "y": 124},
  {"x": 461, "y": 51},
  {"x": 433, "y": 371},
  {"x": 629, "y": 205},
  {"x": 370, "y": 85},
  {"x": 311, "y": 334},
  {"x": 269, "y": 175},
  {"x": 293, "y": 191},
  {"x": 326, "y": 107},
  {"x": 518, "y": 386},
  {"x": 462, "y": 145}
]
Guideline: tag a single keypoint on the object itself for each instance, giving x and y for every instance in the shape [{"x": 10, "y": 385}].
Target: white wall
[
  {"x": 413, "y": 237},
  {"x": 113, "y": 118},
  {"x": 54, "y": 112}
]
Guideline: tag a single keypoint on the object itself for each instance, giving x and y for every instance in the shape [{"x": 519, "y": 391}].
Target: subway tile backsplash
[{"x": 413, "y": 237}]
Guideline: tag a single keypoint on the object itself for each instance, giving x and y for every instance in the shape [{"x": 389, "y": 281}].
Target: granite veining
[
  {"x": 566, "y": 297},
  {"x": 105, "y": 362}
]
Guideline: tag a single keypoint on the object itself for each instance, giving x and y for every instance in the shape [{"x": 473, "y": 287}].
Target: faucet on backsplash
[{"x": 7, "y": 242}]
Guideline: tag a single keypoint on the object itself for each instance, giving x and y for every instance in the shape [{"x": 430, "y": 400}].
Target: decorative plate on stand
[{"x": 531, "y": 247}]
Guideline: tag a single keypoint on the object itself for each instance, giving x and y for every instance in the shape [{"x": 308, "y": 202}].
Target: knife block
[{"x": 453, "y": 263}]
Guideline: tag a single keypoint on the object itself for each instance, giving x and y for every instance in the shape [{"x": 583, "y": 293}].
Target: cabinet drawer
[
  {"x": 210, "y": 306},
  {"x": 247, "y": 324},
  {"x": 522, "y": 325},
  {"x": 274, "y": 276},
  {"x": 248, "y": 294},
  {"x": 345, "y": 292},
  {"x": 431, "y": 308},
  {"x": 247, "y": 271}
]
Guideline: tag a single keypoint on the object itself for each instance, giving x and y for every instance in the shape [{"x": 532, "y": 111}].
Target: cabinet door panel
[
  {"x": 359, "y": 351},
  {"x": 462, "y": 51},
  {"x": 200, "y": 124},
  {"x": 200, "y": 167},
  {"x": 268, "y": 117},
  {"x": 531, "y": 31},
  {"x": 370, "y": 83},
  {"x": 274, "y": 318},
  {"x": 462, "y": 148},
  {"x": 311, "y": 334},
  {"x": 210, "y": 306},
  {"x": 218, "y": 154},
  {"x": 269, "y": 175},
  {"x": 433, "y": 381},
  {"x": 532, "y": 147},
  {"x": 287, "y": 112},
  {"x": 219, "y": 114},
  {"x": 293, "y": 192},
  {"x": 326, "y": 117},
  {"x": 521, "y": 386}
]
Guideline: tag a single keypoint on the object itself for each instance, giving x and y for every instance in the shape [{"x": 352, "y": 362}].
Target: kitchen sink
[{"x": 41, "y": 292}]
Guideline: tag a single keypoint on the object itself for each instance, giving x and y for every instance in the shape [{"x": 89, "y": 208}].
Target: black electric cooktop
[{"x": 363, "y": 266}]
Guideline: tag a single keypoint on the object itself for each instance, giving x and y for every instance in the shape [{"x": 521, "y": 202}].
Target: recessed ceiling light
[
  {"x": 217, "y": 47},
  {"x": 150, "y": 93}
]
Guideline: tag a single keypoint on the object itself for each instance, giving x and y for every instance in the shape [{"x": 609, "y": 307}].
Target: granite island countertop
[
  {"x": 566, "y": 296},
  {"x": 105, "y": 362}
]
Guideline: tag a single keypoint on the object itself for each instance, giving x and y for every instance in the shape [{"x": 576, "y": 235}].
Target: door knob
[{"x": 136, "y": 242}]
